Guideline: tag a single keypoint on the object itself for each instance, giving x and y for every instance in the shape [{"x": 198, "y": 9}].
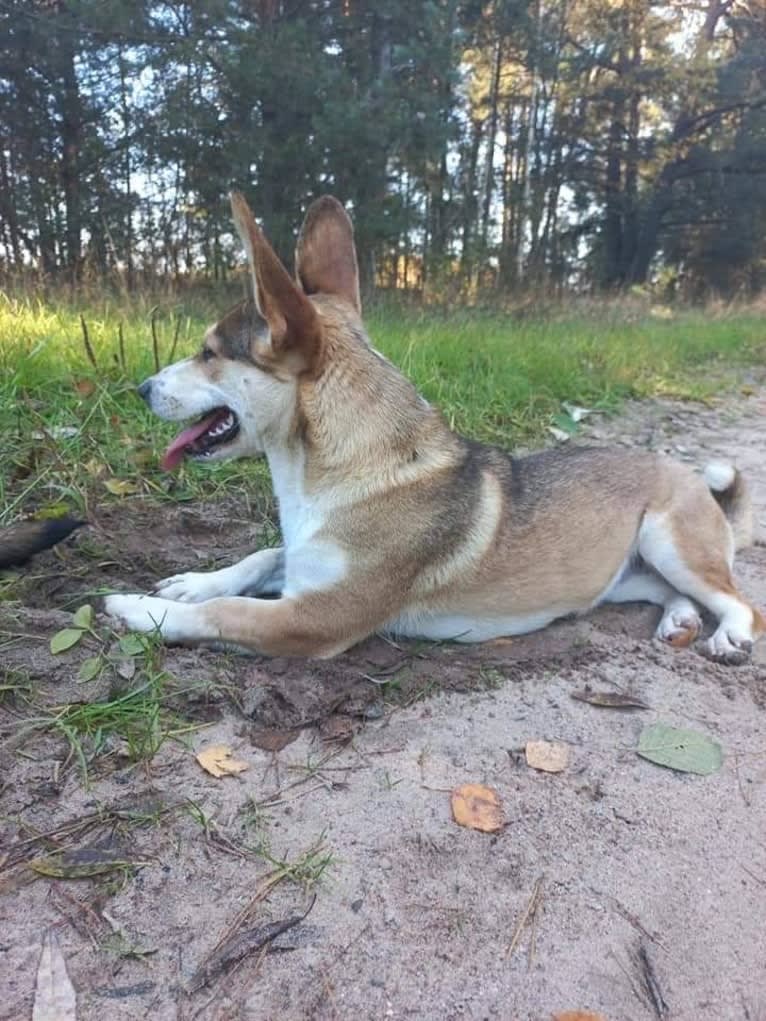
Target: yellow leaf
[
  {"x": 548, "y": 756},
  {"x": 121, "y": 487},
  {"x": 95, "y": 467},
  {"x": 478, "y": 808},
  {"x": 217, "y": 760}
]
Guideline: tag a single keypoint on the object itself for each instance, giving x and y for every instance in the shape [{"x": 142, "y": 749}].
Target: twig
[
  {"x": 652, "y": 983},
  {"x": 631, "y": 918},
  {"x": 155, "y": 342},
  {"x": 86, "y": 342},
  {"x": 121, "y": 345},
  {"x": 171, "y": 356},
  {"x": 639, "y": 995},
  {"x": 530, "y": 908},
  {"x": 761, "y": 882},
  {"x": 533, "y": 933},
  {"x": 239, "y": 945}
]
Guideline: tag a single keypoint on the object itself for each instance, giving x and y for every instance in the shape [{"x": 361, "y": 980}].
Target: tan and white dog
[{"x": 393, "y": 523}]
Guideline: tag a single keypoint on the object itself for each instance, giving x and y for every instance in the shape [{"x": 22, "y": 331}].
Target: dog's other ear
[
  {"x": 325, "y": 258},
  {"x": 293, "y": 322}
]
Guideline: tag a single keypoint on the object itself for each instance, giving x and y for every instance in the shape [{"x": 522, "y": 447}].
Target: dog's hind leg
[
  {"x": 680, "y": 623},
  {"x": 261, "y": 573},
  {"x": 692, "y": 549}
]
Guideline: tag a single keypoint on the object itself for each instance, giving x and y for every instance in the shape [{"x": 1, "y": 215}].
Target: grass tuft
[{"x": 75, "y": 432}]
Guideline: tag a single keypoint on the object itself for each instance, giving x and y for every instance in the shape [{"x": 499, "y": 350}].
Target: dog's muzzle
[{"x": 145, "y": 390}]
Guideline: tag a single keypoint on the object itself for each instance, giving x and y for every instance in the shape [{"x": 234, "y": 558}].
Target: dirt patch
[{"x": 346, "y": 798}]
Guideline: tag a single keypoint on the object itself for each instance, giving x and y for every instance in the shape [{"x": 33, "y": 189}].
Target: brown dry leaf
[
  {"x": 609, "y": 699},
  {"x": 548, "y": 756},
  {"x": 273, "y": 740},
  {"x": 578, "y": 1015},
  {"x": 85, "y": 387},
  {"x": 217, "y": 760},
  {"x": 55, "y": 998},
  {"x": 477, "y": 807}
]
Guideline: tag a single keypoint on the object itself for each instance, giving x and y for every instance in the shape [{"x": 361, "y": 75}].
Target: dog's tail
[
  {"x": 732, "y": 494},
  {"x": 21, "y": 541}
]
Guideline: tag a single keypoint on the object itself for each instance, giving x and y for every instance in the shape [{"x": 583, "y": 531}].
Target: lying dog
[
  {"x": 393, "y": 523},
  {"x": 20, "y": 542}
]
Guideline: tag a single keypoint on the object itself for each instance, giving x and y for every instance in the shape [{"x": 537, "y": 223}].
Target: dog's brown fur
[{"x": 412, "y": 528}]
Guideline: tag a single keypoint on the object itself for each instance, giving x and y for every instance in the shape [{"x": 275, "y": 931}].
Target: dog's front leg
[
  {"x": 261, "y": 573},
  {"x": 316, "y": 624}
]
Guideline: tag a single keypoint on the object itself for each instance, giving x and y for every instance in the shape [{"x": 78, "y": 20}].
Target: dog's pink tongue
[{"x": 175, "y": 452}]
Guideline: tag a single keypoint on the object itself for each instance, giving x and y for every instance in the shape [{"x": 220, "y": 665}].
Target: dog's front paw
[
  {"x": 191, "y": 587},
  {"x": 141, "y": 613}
]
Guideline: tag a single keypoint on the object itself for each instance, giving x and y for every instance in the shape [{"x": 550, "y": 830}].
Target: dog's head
[{"x": 241, "y": 388}]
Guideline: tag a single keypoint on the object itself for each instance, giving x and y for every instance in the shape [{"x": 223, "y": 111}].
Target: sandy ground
[{"x": 413, "y": 916}]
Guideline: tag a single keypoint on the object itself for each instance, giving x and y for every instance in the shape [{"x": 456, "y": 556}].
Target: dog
[
  {"x": 21, "y": 541},
  {"x": 393, "y": 523}
]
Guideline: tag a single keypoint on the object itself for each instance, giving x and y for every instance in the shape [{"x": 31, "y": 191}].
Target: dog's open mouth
[{"x": 218, "y": 427}]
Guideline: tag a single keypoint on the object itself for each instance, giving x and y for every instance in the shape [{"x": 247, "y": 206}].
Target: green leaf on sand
[
  {"x": 90, "y": 668},
  {"x": 676, "y": 748},
  {"x": 65, "y": 639},
  {"x": 132, "y": 645},
  {"x": 84, "y": 617}
]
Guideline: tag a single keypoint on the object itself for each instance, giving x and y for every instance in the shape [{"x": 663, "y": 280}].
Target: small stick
[
  {"x": 155, "y": 342},
  {"x": 531, "y": 906},
  {"x": 121, "y": 340},
  {"x": 173, "y": 346},
  {"x": 631, "y": 918},
  {"x": 86, "y": 342},
  {"x": 533, "y": 934},
  {"x": 652, "y": 984}
]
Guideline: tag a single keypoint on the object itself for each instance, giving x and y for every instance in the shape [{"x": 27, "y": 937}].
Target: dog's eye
[{"x": 207, "y": 354}]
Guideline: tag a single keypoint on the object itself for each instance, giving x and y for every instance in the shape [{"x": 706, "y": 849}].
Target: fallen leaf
[
  {"x": 217, "y": 760},
  {"x": 684, "y": 750},
  {"x": 126, "y": 668},
  {"x": 578, "y": 1015},
  {"x": 548, "y": 756},
  {"x": 273, "y": 740},
  {"x": 65, "y": 639},
  {"x": 95, "y": 467},
  {"x": 477, "y": 807},
  {"x": 239, "y": 945},
  {"x": 558, "y": 434},
  {"x": 82, "y": 863},
  {"x": 83, "y": 617},
  {"x": 52, "y": 512},
  {"x": 90, "y": 668},
  {"x": 610, "y": 699},
  {"x": 120, "y": 487},
  {"x": 575, "y": 412},
  {"x": 85, "y": 387},
  {"x": 63, "y": 432},
  {"x": 132, "y": 645},
  {"x": 55, "y": 998},
  {"x": 336, "y": 728}
]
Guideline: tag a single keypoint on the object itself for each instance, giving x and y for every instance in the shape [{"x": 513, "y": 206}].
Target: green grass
[{"x": 72, "y": 430}]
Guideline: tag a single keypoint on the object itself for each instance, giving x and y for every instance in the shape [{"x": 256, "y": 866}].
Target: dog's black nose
[{"x": 145, "y": 389}]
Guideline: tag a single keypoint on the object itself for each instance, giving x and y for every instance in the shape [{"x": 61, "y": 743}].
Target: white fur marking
[{"x": 719, "y": 476}]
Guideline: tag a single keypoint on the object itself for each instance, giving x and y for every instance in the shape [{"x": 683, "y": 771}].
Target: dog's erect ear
[
  {"x": 292, "y": 320},
  {"x": 325, "y": 259}
]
